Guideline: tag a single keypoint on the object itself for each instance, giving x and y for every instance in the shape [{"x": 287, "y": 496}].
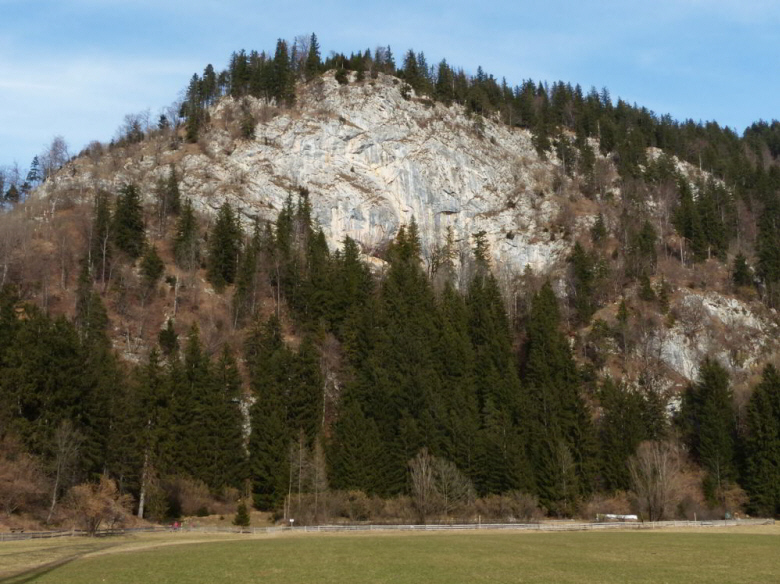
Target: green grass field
[{"x": 717, "y": 555}]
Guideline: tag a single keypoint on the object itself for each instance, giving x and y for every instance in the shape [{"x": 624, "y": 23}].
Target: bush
[
  {"x": 242, "y": 516},
  {"x": 510, "y": 507},
  {"x": 22, "y": 482},
  {"x": 95, "y": 504},
  {"x": 600, "y": 504}
]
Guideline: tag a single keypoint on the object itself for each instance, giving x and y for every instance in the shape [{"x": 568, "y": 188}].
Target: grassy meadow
[{"x": 733, "y": 555}]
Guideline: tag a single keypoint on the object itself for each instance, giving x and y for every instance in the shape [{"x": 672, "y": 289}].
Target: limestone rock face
[{"x": 373, "y": 161}]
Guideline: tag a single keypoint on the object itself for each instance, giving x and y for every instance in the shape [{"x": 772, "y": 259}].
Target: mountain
[
  {"x": 515, "y": 286},
  {"x": 373, "y": 159}
]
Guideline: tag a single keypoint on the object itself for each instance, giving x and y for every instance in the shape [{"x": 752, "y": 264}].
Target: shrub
[{"x": 96, "y": 504}]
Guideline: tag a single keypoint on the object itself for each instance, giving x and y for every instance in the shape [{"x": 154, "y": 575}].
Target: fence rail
[{"x": 542, "y": 526}]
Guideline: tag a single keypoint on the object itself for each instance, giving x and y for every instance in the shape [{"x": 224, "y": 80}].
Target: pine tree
[
  {"x": 501, "y": 464},
  {"x": 246, "y": 297},
  {"x": 599, "y": 230},
  {"x": 224, "y": 248},
  {"x": 128, "y": 224},
  {"x": 282, "y": 80}
]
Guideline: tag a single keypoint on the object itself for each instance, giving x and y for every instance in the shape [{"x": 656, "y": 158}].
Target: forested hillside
[{"x": 166, "y": 325}]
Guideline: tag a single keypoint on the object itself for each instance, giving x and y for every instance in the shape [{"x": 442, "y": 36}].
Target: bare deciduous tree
[
  {"x": 423, "y": 483},
  {"x": 96, "y": 504},
  {"x": 438, "y": 485},
  {"x": 21, "y": 480},
  {"x": 54, "y": 157},
  {"x": 655, "y": 477},
  {"x": 67, "y": 443}
]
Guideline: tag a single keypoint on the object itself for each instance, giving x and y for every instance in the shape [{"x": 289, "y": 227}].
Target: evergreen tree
[
  {"x": 584, "y": 273},
  {"x": 246, "y": 296},
  {"x": 306, "y": 392},
  {"x": 242, "y": 516},
  {"x": 230, "y": 465},
  {"x": 501, "y": 458},
  {"x": 741, "y": 275},
  {"x": 282, "y": 80},
  {"x": 186, "y": 245},
  {"x": 761, "y": 473},
  {"x": 224, "y": 248},
  {"x": 312, "y": 65},
  {"x": 269, "y": 363},
  {"x": 168, "y": 197},
  {"x": 152, "y": 413},
  {"x": 12, "y": 195},
  {"x": 768, "y": 248},
  {"x": 621, "y": 430},
  {"x": 356, "y": 450},
  {"x": 561, "y": 444},
  {"x": 34, "y": 176},
  {"x": 709, "y": 423},
  {"x": 168, "y": 339},
  {"x": 151, "y": 268},
  {"x": 128, "y": 224}
]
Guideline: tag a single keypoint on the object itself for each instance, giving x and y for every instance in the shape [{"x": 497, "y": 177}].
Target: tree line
[{"x": 425, "y": 366}]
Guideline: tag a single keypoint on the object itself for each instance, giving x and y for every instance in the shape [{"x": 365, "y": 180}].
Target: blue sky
[{"x": 76, "y": 67}]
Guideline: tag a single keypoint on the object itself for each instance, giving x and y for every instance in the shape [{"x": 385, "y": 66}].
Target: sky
[{"x": 75, "y": 68}]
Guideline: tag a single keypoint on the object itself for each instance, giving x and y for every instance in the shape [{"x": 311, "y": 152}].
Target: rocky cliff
[{"x": 374, "y": 159}]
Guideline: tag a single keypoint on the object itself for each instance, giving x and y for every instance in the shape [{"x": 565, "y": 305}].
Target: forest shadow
[{"x": 32, "y": 574}]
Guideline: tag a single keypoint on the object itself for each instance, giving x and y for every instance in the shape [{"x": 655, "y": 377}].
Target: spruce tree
[
  {"x": 242, "y": 516},
  {"x": 186, "y": 245},
  {"x": 306, "y": 392},
  {"x": 168, "y": 339},
  {"x": 621, "y": 429},
  {"x": 269, "y": 362},
  {"x": 151, "y": 268},
  {"x": 128, "y": 224},
  {"x": 224, "y": 248},
  {"x": 761, "y": 473},
  {"x": 230, "y": 466},
  {"x": 709, "y": 423},
  {"x": 559, "y": 426},
  {"x": 501, "y": 463},
  {"x": 197, "y": 451},
  {"x": 312, "y": 65},
  {"x": 356, "y": 451}
]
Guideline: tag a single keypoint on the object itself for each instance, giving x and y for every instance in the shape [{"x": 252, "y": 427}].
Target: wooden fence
[{"x": 541, "y": 526}]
